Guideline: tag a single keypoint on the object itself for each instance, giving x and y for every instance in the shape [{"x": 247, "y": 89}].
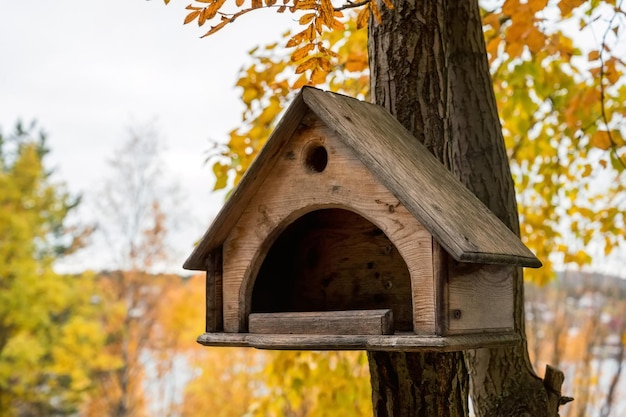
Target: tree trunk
[{"x": 429, "y": 68}]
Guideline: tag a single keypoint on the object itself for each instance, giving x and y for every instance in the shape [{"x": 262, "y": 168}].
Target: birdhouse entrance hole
[
  {"x": 315, "y": 157},
  {"x": 334, "y": 260}
]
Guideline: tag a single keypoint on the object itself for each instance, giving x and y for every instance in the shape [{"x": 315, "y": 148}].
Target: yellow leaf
[
  {"x": 601, "y": 140},
  {"x": 586, "y": 171},
  {"x": 603, "y": 163}
]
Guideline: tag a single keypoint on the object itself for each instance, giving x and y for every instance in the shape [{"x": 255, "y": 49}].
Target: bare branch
[{"x": 351, "y": 5}]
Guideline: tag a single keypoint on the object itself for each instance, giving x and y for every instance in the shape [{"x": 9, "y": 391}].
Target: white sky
[{"x": 88, "y": 70}]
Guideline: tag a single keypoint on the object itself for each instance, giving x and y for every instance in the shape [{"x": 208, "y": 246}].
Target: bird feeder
[{"x": 346, "y": 233}]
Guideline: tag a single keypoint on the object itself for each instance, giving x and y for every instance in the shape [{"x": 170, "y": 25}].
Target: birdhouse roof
[{"x": 455, "y": 217}]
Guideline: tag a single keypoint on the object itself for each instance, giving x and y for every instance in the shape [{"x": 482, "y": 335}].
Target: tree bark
[{"x": 429, "y": 68}]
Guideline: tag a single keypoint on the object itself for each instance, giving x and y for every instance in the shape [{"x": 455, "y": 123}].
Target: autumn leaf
[
  {"x": 192, "y": 16},
  {"x": 299, "y": 54},
  {"x": 306, "y": 65},
  {"x": 362, "y": 18},
  {"x": 601, "y": 140}
]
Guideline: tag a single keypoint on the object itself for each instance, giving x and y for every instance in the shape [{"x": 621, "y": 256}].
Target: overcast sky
[{"x": 87, "y": 70}]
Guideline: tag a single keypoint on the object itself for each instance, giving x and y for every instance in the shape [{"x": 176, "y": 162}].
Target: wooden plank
[
  {"x": 396, "y": 343},
  {"x": 480, "y": 297},
  {"x": 460, "y": 222},
  {"x": 214, "y": 318},
  {"x": 291, "y": 190},
  {"x": 352, "y": 322}
]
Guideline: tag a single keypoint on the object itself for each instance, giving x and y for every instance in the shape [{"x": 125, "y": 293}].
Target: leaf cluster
[
  {"x": 50, "y": 339},
  {"x": 562, "y": 112}
]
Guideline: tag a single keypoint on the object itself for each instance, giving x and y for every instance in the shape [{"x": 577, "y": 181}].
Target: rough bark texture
[
  {"x": 413, "y": 384},
  {"x": 429, "y": 68}
]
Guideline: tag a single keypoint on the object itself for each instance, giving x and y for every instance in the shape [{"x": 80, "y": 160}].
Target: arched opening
[{"x": 332, "y": 260}]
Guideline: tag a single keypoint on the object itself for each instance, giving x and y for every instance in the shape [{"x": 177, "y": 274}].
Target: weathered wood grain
[
  {"x": 457, "y": 219},
  {"x": 334, "y": 259},
  {"x": 402, "y": 343},
  {"x": 351, "y": 322},
  {"x": 480, "y": 298},
  {"x": 214, "y": 305},
  {"x": 460, "y": 222},
  {"x": 290, "y": 191}
]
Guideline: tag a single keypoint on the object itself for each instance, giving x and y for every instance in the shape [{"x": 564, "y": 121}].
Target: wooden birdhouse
[{"x": 346, "y": 233}]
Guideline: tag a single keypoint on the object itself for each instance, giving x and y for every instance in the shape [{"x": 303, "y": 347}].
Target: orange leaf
[
  {"x": 601, "y": 140},
  {"x": 300, "y": 82},
  {"x": 324, "y": 63},
  {"x": 305, "y": 5},
  {"x": 376, "y": 11},
  {"x": 202, "y": 18},
  {"x": 298, "y": 54},
  {"x": 362, "y": 18},
  {"x": 296, "y": 39},
  {"x": 192, "y": 16},
  {"x": 216, "y": 27},
  {"x": 337, "y": 25},
  {"x": 537, "y": 5},
  {"x": 305, "y": 19},
  {"x": 318, "y": 76},
  {"x": 593, "y": 55},
  {"x": 239, "y": 3},
  {"x": 566, "y": 6},
  {"x": 306, "y": 65},
  {"x": 214, "y": 8}
]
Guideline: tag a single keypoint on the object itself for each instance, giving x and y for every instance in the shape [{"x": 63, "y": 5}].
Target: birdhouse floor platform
[{"x": 408, "y": 342}]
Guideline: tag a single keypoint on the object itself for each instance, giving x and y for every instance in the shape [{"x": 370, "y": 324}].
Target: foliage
[
  {"x": 50, "y": 339},
  {"x": 561, "y": 106},
  {"x": 135, "y": 227},
  {"x": 309, "y": 384},
  {"x": 557, "y": 68}
]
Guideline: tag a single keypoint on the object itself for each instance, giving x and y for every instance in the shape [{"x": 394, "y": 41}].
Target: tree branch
[{"x": 351, "y": 5}]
